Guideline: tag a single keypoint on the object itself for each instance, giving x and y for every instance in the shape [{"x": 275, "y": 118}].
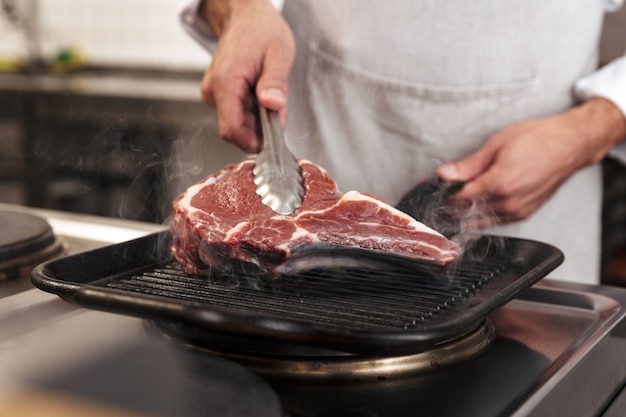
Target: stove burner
[
  {"x": 289, "y": 361},
  {"x": 26, "y": 241}
]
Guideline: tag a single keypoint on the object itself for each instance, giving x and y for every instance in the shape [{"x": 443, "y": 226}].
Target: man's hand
[
  {"x": 255, "y": 52},
  {"x": 519, "y": 168}
]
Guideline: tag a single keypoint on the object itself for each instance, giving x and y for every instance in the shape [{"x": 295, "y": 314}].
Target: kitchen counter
[
  {"x": 145, "y": 96},
  {"x": 115, "y": 82}
]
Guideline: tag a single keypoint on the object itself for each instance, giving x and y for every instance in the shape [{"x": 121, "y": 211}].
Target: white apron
[{"x": 382, "y": 92}]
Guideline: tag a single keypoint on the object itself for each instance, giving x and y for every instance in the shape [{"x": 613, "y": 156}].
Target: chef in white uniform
[{"x": 506, "y": 96}]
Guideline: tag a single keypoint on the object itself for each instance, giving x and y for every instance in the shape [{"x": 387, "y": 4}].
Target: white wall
[
  {"x": 146, "y": 33},
  {"x": 142, "y": 33}
]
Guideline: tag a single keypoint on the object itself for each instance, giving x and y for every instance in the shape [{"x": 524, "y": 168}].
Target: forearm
[{"x": 602, "y": 126}]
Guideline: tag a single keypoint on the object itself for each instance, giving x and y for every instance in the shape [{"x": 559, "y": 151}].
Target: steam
[
  {"x": 430, "y": 203},
  {"x": 104, "y": 171},
  {"x": 476, "y": 246},
  {"x": 128, "y": 167}
]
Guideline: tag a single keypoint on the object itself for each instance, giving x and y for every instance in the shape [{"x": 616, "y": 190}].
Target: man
[{"x": 504, "y": 94}]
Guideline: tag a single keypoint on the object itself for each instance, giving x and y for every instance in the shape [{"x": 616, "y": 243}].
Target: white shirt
[
  {"x": 417, "y": 108},
  {"x": 608, "y": 82}
]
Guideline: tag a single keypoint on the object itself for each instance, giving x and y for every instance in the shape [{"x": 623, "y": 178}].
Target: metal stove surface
[
  {"x": 57, "y": 358},
  {"x": 560, "y": 350}
]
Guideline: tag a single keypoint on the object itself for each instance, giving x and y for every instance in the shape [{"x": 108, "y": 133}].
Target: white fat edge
[
  {"x": 409, "y": 241},
  {"x": 412, "y": 222},
  {"x": 185, "y": 201},
  {"x": 235, "y": 229},
  {"x": 302, "y": 162},
  {"x": 299, "y": 233},
  {"x": 191, "y": 192}
]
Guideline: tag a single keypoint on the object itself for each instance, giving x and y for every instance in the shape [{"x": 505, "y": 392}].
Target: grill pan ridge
[{"x": 351, "y": 310}]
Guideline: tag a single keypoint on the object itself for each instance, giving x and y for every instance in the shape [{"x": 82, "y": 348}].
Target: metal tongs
[{"x": 276, "y": 172}]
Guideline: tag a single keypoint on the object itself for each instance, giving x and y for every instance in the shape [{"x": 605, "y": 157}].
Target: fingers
[
  {"x": 498, "y": 195},
  {"x": 226, "y": 86},
  {"x": 489, "y": 195},
  {"x": 206, "y": 89},
  {"x": 272, "y": 86},
  {"x": 236, "y": 119},
  {"x": 468, "y": 168},
  {"x": 250, "y": 54},
  {"x": 475, "y": 171},
  {"x": 236, "y": 114},
  {"x": 238, "y": 127}
]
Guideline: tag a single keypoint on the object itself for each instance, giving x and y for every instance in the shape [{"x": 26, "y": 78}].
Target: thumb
[
  {"x": 467, "y": 168},
  {"x": 272, "y": 97},
  {"x": 272, "y": 85},
  {"x": 272, "y": 93}
]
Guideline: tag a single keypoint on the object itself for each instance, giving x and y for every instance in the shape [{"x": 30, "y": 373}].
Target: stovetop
[{"x": 559, "y": 350}]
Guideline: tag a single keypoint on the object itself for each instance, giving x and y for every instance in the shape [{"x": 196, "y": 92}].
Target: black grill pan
[{"x": 352, "y": 310}]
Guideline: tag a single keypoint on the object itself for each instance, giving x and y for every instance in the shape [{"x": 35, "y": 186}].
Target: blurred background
[
  {"x": 142, "y": 33},
  {"x": 100, "y": 112},
  {"x": 100, "y": 107}
]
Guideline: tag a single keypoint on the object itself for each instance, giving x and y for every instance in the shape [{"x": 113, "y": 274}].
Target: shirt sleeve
[
  {"x": 613, "y": 5},
  {"x": 608, "y": 82},
  {"x": 198, "y": 28},
  {"x": 201, "y": 31}
]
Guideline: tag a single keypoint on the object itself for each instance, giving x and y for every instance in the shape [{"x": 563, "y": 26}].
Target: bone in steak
[{"x": 221, "y": 223}]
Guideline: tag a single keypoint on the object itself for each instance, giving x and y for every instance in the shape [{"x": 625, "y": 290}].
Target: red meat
[{"x": 220, "y": 223}]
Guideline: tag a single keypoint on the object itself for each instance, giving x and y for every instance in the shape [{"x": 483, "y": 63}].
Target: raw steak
[{"x": 221, "y": 223}]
